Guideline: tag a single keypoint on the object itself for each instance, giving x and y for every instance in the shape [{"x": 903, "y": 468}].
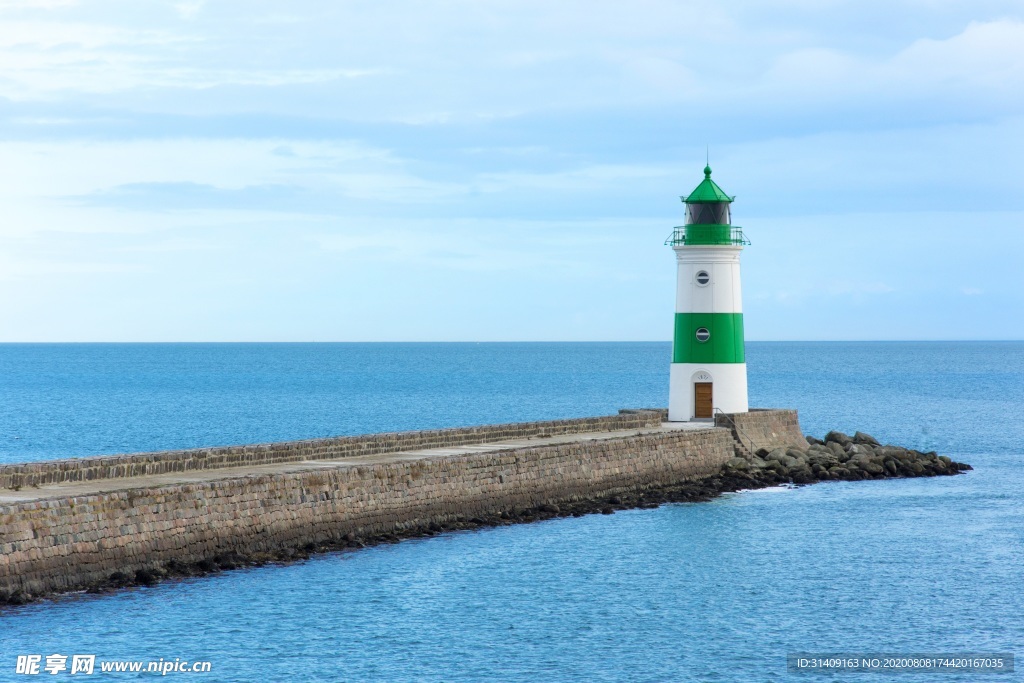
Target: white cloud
[
  {"x": 43, "y": 59},
  {"x": 57, "y": 170},
  {"x": 985, "y": 59},
  {"x": 246, "y": 147},
  {"x": 38, "y": 37},
  {"x": 988, "y": 54},
  {"x": 189, "y": 9},
  {"x": 35, "y": 4},
  {"x": 466, "y": 61},
  {"x": 589, "y": 177},
  {"x": 14, "y": 270}
]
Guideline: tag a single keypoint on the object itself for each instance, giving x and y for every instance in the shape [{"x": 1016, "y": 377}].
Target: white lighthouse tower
[{"x": 709, "y": 369}]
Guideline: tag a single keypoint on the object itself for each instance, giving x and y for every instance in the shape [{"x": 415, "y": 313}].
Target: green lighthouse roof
[{"x": 708, "y": 191}]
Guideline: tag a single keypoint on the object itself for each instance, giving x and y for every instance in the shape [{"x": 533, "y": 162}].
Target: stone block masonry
[
  {"x": 56, "y": 543},
  {"x": 144, "y": 464},
  {"x": 764, "y": 428}
]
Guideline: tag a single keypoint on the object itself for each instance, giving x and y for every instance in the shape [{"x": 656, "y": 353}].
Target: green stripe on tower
[
  {"x": 708, "y": 234},
  {"x": 725, "y": 345}
]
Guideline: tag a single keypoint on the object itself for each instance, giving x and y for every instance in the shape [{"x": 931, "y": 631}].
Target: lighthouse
[{"x": 709, "y": 370}]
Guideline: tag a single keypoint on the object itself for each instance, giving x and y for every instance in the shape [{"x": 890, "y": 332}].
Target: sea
[{"x": 718, "y": 591}]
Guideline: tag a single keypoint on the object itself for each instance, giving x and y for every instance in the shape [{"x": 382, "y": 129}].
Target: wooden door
[{"x": 702, "y": 400}]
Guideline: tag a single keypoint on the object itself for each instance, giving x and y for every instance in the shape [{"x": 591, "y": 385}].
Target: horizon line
[{"x": 528, "y": 341}]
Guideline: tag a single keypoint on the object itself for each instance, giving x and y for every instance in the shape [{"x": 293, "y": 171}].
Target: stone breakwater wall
[
  {"x": 65, "y": 544},
  {"x": 143, "y": 464},
  {"x": 764, "y": 429}
]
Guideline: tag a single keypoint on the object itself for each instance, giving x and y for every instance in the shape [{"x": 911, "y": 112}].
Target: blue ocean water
[
  {"x": 71, "y": 400},
  {"x": 717, "y": 591}
]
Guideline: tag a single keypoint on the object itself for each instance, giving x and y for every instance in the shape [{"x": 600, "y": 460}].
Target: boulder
[
  {"x": 873, "y": 468},
  {"x": 892, "y": 451},
  {"x": 826, "y": 459},
  {"x": 838, "y": 437},
  {"x": 811, "y": 441},
  {"x": 785, "y": 460},
  {"x": 119, "y": 579},
  {"x": 862, "y": 438},
  {"x": 803, "y": 476},
  {"x": 861, "y": 459},
  {"x": 207, "y": 565},
  {"x": 146, "y": 577},
  {"x": 16, "y": 597}
]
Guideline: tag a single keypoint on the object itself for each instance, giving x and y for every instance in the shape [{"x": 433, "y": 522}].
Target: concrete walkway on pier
[{"x": 87, "y": 488}]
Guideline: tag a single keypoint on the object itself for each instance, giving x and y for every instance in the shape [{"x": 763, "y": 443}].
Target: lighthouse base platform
[{"x": 699, "y": 390}]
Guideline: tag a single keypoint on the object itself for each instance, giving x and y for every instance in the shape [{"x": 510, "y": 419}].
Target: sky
[{"x": 492, "y": 170}]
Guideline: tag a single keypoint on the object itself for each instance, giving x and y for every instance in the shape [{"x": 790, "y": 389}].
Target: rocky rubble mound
[{"x": 841, "y": 457}]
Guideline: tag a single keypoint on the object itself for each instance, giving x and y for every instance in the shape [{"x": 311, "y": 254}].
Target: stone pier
[{"x": 70, "y": 524}]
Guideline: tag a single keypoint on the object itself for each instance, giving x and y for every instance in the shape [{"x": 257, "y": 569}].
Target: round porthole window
[
  {"x": 703, "y": 334},
  {"x": 703, "y": 277}
]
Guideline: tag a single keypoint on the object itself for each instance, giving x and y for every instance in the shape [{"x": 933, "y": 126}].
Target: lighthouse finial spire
[{"x": 707, "y": 161}]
